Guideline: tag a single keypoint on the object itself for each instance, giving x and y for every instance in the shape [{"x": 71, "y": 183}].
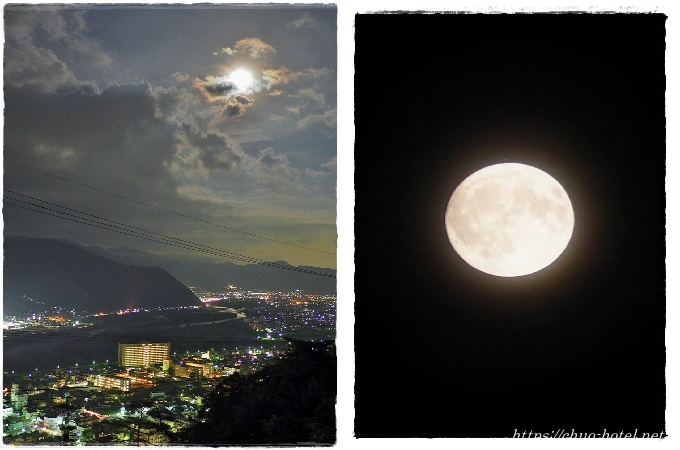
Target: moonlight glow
[
  {"x": 509, "y": 220},
  {"x": 241, "y": 78}
]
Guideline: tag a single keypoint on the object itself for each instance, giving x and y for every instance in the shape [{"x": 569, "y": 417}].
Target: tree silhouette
[{"x": 291, "y": 401}]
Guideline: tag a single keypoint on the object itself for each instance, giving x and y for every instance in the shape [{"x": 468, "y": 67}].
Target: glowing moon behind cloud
[
  {"x": 241, "y": 78},
  {"x": 509, "y": 220}
]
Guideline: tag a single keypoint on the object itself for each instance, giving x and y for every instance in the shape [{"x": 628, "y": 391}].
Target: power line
[
  {"x": 132, "y": 233},
  {"x": 129, "y": 230},
  {"x": 169, "y": 211},
  {"x": 114, "y": 229}
]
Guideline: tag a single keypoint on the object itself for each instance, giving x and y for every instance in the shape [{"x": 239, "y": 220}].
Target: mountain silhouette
[
  {"x": 215, "y": 276},
  {"x": 59, "y": 274}
]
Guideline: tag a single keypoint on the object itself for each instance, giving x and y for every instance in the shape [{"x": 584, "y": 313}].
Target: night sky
[
  {"x": 443, "y": 349},
  {"x": 141, "y": 102}
]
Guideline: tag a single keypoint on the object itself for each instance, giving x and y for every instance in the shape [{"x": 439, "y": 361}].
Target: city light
[{"x": 268, "y": 314}]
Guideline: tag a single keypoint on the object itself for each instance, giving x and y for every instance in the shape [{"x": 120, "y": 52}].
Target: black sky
[{"x": 445, "y": 350}]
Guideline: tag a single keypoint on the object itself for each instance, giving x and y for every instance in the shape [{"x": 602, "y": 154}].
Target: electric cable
[
  {"x": 167, "y": 210},
  {"x": 117, "y": 227}
]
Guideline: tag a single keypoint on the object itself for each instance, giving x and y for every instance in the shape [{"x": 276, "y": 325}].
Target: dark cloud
[
  {"x": 235, "y": 110},
  {"x": 214, "y": 87},
  {"x": 276, "y": 173},
  {"x": 236, "y": 106},
  {"x": 213, "y": 150},
  {"x": 166, "y": 100},
  {"x": 220, "y": 89},
  {"x": 96, "y": 129},
  {"x": 268, "y": 159},
  {"x": 83, "y": 88},
  {"x": 173, "y": 104},
  {"x": 49, "y": 50},
  {"x": 137, "y": 90},
  {"x": 112, "y": 141},
  {"x": 242, "y": 99}
]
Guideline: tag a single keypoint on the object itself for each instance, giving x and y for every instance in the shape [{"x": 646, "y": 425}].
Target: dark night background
[{"x": 442, "y": 349}]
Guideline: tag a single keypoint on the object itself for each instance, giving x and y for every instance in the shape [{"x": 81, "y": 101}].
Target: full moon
[{"x": 509, "y": 220}]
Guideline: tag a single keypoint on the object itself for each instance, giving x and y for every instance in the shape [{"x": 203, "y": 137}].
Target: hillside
[
  {"x": 60, "y": 274},
  {"x": 214, "y": 276},
  {"x": 290, "y": 402}
]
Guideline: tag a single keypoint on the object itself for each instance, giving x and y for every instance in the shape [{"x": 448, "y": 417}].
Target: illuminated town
[{"x": 150, "y": 389}]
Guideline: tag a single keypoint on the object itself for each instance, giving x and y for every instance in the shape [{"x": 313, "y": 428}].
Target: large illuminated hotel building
[
  {"x": 112, "y": 381},
  {"x": 143, "y": 355},
  {"x": 121, "y": 381}
]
